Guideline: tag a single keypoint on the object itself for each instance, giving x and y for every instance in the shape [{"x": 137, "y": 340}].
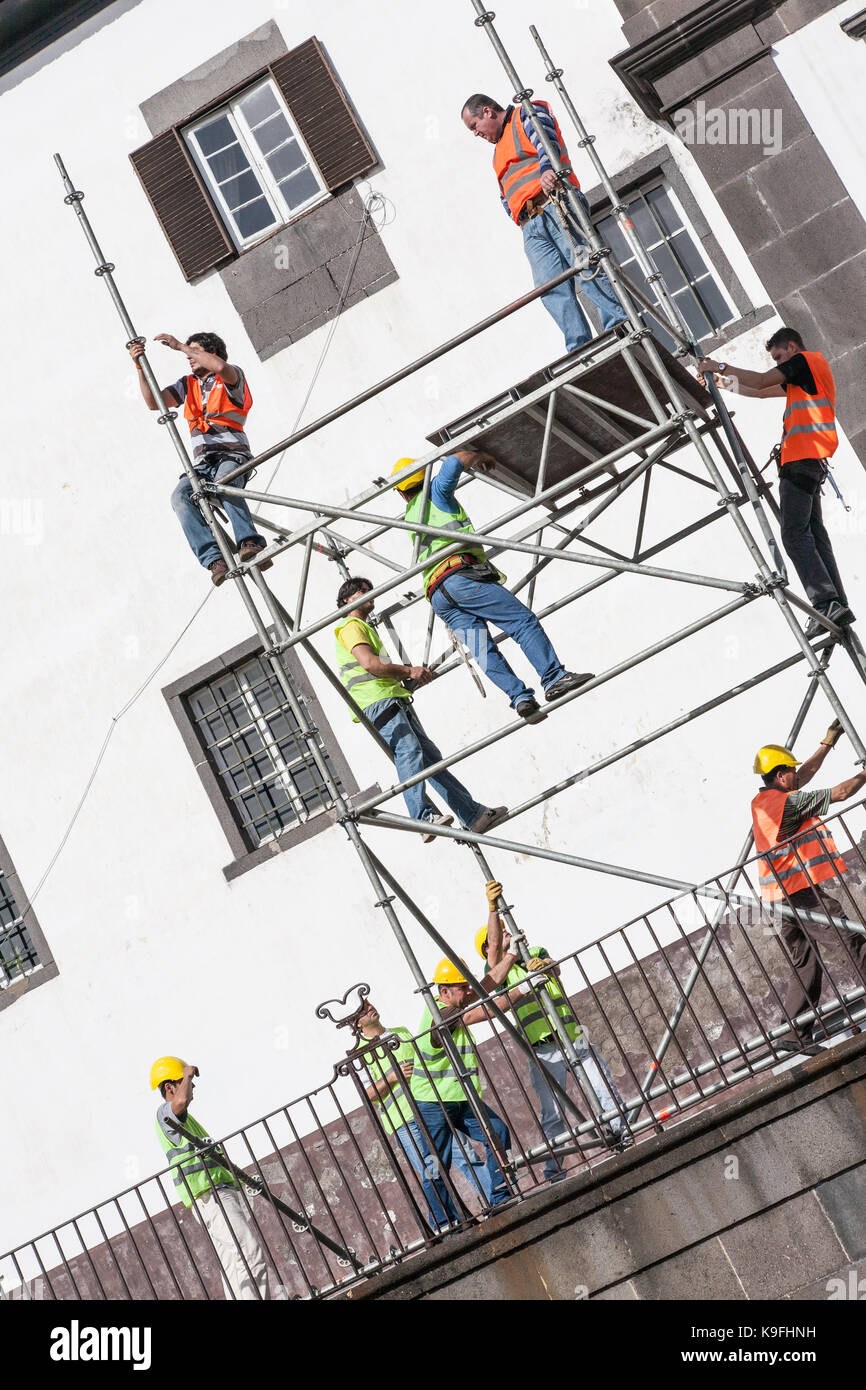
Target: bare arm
[
  {"x": 199, "y": 358},
  {"x": 380, "y": 1089},
  {"x": 758, "y": 380},
  {"x": 182, "y": 1098},
  {"x": 808, "y": 768},
  {"x": 843, "y": 790},
  {"x": 366, "y": 657},
  {"x": 492, "y": 980},
  {"x": 135, "y": 351}
]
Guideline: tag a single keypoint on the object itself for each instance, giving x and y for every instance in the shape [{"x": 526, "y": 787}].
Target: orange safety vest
[
  {"x": 809, "y": 424},
  {"x": 220, "y": 409},
  {"x": 808, "y": 857},
  {"x": 516, "y": 161}
]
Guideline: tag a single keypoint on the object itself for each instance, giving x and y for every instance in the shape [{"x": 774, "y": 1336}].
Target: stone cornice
[{"x": 855, "y": 27}]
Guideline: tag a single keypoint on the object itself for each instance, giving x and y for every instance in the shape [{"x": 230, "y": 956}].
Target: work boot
[
  {"x": 490, "y": 816},
  {"x": 790, "y": 1044},
  {"x": 250, "y": 549},
  {"x": 838, "y": 613},
  {"x": 218, "y": 571},
  {"x": 530, "y": 710},
  {"x": 570, "y": 681},
  {"x": 436, "y": 819}
]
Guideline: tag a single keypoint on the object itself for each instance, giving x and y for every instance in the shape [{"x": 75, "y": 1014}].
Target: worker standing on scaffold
[
  {"x": 799, "y": 861},
  {"x": 809, "y": 438},
  {"x": 375, "y": 683},
  {"x": 527, "y": 185},
  {"x": 466, "y": 590},
  {"x": 216, "y": 401}
]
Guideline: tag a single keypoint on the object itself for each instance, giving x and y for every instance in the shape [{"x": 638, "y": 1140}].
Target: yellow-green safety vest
[
  {"x": 454, "y": 520},
  {"x": 531, "y": 1014},
  {"x": 193, "y": 1165},
  {"x": 394, "y": 1108},
  {"x": 366, "y": 689},
  {"x": 444, "y": 1084}
]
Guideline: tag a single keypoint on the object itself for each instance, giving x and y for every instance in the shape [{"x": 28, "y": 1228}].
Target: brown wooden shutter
[
  {"x": 194, "y": 232},
  {"x": 323, "y": 115}
]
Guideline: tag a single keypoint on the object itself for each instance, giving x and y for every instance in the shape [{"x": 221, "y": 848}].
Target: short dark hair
[
  {"x": 783, "y": 336},
  {"x": 770, "y": 777},
  {"x": 350, "y": 587},
  {"x": 169, "y": 1082},
  {"x": 211, "y": 342},
  {"x": 477, "y": 102}
]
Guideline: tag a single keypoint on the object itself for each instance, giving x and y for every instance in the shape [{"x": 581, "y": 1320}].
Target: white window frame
[{"x": 283, "y": 214}]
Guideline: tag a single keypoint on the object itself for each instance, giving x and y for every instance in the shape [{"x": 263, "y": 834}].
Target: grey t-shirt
[{"x": 216, "y": 440}]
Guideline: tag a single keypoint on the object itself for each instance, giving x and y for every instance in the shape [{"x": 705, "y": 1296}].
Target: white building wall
[{"x": 157, "y": 953}]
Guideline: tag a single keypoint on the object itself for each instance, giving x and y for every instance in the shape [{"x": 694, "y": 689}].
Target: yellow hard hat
[
  {"x": 447, "y": 973},
  {"x": 773, "y": 755},
  {"x": 481, "y": 940},
  {"x": 165, "y": 1069},
  {"x": 414, "y": 479}
]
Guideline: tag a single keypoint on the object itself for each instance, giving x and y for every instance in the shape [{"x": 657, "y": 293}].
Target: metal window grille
[
  {"x": 18, "y": 955},
  {"x": 255, "y": 163},
  {"x": 661, "y": 224},
  {"x": 254, "y": 744}
]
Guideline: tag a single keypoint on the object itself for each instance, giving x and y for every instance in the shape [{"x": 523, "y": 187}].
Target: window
[
  {"x": 255, "y": 163},
  {"x": 251, "y": 756},
  {"x": 25, "y": 959},
  {"x": 660, "y": 222}
]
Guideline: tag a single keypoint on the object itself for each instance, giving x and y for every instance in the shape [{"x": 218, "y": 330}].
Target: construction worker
[
  {"x": 467, "y": 592},
  {"x": 491, "y": 942},
  {"x": 531, "y": 196},
  {"x": 809, "y": 438},
  {"x": 376, "y": 685},
  {"x": 784, "y": 815},
  {"x": 389, "y": 1070},
  {"x": 207, "y": 1187},
  {"x": 216, "y": 401},
  {"x": 440, "y": 1093}
]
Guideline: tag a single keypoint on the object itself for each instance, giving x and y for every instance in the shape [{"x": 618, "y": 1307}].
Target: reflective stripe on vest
[
  {"x": 809, "y": 424},
  {"x": 198, "y": 1174},
  {"x": 532, "y": 1016},
  {"x": 808, "y": 857},
  {"x": 444, "y": 1083},
  {"x": 364, "y": 688},
  {"x": 516, "y": 161},
  {"x": 221, "y": 410},
  {"x": 395, "y": 1108},
  {"x": 455, "y": 520}
]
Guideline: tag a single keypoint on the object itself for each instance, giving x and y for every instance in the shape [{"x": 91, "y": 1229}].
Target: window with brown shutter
[{"x": 201, "y": 228}]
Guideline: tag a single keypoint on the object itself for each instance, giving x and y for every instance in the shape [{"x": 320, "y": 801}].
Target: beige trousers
[{"x": 228, "y": 1224}]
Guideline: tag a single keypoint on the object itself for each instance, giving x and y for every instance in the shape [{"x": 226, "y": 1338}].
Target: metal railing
[{"x": 676, "y": 1008}]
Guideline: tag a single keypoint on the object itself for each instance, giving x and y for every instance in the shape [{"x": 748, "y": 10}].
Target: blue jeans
[
  {"x": 550, "y": 1058},
  {"x": 474, "y": 1169},
  {"x": 195, "y": 528},
  {"x": 549, "y": 252},
  {"x": 466, "y": 606},
  {"x": 433, "y": 1113},
  {"x": 413, "y": 750}
]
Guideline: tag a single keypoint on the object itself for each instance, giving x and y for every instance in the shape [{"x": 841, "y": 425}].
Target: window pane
[
  {"x": 660, "y": 201},
  {"x": 214, "y": 136},
  {"x": 272, "y": 133},
  {"x": 611, "y": 235},
  {"x": 254, "y": 218},
  {"x": 643, "y": 223},
  {"x": 286, "y": 160},
  {"x": 240, "y": 190},
  {"x": 674, "y": 278},
  {"x": 713, "y": 302},
  {"x": 688, "y": 255},
  {"x": 259, "y": 105},
  {"x": 227, "y": 162},
  {"x": 692, "y": 313},
  {"x": 300, "y": 188}
]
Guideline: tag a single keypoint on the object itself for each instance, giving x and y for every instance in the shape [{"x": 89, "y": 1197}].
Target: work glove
[
  {"x": 493, "y": 891},
  {"x": 833, "y": 734}
]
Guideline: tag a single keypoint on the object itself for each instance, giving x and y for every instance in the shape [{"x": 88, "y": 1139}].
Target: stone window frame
[
  {"x": 660, "y": 164},
  {"x": 47, "y": 968},
  {"x": 245, "y": 856}
]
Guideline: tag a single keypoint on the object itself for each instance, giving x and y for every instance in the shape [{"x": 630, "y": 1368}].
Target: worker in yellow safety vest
[
  {"x": 491, "y": 942},
  {"x": 798, "y": 863},
  {"x": 805, "y": 382},
  {"x": 209, "y": 1189}
]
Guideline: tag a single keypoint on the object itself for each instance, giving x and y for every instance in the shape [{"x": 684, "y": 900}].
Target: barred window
[
  {"x": 661, "y": 223},
  {"x": 18, "y": 955}
]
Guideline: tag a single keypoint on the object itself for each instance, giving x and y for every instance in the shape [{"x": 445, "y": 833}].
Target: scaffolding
[{"x": 571, "y": 441}]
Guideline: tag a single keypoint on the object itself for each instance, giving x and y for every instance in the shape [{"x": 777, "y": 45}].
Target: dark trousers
[
  {"x": 804, "y": 992},
  {"x": 804, "y": 536}
]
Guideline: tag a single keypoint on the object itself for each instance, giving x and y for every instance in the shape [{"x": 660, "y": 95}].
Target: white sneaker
[
  {"x": 437, "y": 819},
  {"x": 490, "y": 816}
]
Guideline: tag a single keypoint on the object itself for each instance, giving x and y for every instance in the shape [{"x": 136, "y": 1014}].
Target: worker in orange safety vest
[
  {"x": 799, "y": 862},
  {"x": 809, "y": 439}
]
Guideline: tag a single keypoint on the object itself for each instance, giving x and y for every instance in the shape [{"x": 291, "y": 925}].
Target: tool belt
[
  {"x": 454, "y": 562},
  {"x": 387, "y": 714},
  {"x": 533, "y": 207}
]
